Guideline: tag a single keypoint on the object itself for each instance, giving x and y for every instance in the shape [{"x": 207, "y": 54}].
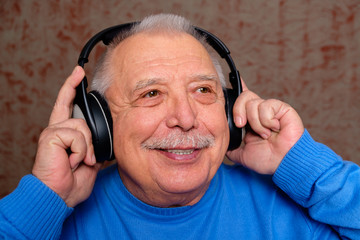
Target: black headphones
[{"x": 93, "y": 107}]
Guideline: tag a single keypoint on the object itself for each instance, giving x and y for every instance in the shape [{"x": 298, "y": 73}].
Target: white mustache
[{"x": 177, "y": 139}]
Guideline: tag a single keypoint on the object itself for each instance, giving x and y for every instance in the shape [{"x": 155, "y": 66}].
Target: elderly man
[{"x": 165, "y": 94}]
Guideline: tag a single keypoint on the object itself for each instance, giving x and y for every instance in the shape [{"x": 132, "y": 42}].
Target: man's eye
[
  {"x": 204, "y": 90},
  {"x": 151, "y": 94}
]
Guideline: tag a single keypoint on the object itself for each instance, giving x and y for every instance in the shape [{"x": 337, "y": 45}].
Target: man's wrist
[
  {"x": 306, "y": 161},
  {"x": 36, "y": 210}
]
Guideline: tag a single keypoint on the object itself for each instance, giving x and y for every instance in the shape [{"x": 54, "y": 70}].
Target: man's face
[{"x": 170, "y": 128}]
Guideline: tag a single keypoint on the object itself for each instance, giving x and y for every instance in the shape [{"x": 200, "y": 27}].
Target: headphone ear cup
[
  {"x": 235, "y": 132},
  {"x": 102, "y": 136}
]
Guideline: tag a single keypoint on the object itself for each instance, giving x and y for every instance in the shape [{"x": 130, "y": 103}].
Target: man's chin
[{"x": 184, "y": 194}]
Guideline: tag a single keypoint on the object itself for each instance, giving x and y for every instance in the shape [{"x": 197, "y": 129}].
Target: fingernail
[
  {"x": 264, "y": 135},
  {"x": 238, "y": 121},
  {"x": 76, "y": 70},
  {"x": 275, "y": 129},
  {"x": 93, "y": 159},
  {"x": 75, "y": 167}
]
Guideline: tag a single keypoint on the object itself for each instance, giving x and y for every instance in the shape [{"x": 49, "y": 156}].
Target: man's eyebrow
[
  {"x": 205, "y": 77},
  {"x": 152, "y": 81},
  {"x": 145, "y": 83}
]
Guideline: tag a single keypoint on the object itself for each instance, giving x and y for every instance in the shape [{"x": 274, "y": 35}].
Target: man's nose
[{"x": 182, "y": 113}]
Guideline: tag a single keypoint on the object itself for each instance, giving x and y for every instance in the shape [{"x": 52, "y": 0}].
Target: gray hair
[{"x": 154, "y": 23}]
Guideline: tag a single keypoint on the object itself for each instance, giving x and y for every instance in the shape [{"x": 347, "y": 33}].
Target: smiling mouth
[
  {"x": 178, "y": 154},
  {"x": 179, "y": 151}
]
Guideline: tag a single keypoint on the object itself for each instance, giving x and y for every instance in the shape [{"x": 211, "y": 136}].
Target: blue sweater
[{"x": 311, "y": 190}]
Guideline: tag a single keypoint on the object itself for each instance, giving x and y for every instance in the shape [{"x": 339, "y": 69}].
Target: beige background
[{"x": 305, "y": 52}]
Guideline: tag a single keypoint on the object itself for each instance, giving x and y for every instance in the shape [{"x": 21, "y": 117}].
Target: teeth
[{"x": 180, "y": 152}]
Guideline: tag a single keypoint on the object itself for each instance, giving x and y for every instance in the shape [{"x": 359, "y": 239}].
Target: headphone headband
[{"x": 106, "y": 36}]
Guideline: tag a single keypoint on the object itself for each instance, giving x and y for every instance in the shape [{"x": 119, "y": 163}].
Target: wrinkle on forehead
[{"x": 196, "y": 77}]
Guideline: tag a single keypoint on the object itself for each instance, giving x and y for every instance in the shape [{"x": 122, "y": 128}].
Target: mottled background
[{"x": 304, "y": 52}]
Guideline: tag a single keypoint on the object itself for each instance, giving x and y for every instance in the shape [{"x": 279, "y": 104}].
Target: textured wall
[{"x": 305, "y": 52}]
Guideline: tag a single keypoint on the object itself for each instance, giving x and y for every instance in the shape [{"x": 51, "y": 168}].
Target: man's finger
[
  {"x": 81, "y": 126},
  {"x": 268, "y": 112},
  {"x": 239, "y": 109},
  {"x": 253, "y": 117},
  {"x": 63, "y": 105}
]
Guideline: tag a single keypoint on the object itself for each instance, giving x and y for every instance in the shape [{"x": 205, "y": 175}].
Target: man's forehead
[{"x": 149, "y": 58}]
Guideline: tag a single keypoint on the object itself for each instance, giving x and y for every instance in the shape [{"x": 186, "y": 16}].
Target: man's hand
[
  {"x": 275, "y": 128},
  {"x": 71, "y": 174}
]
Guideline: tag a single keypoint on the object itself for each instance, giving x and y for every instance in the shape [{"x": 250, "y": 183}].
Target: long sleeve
[
  {"x": 319, "y": 180},
  {"x": 32, "y": 211}
]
